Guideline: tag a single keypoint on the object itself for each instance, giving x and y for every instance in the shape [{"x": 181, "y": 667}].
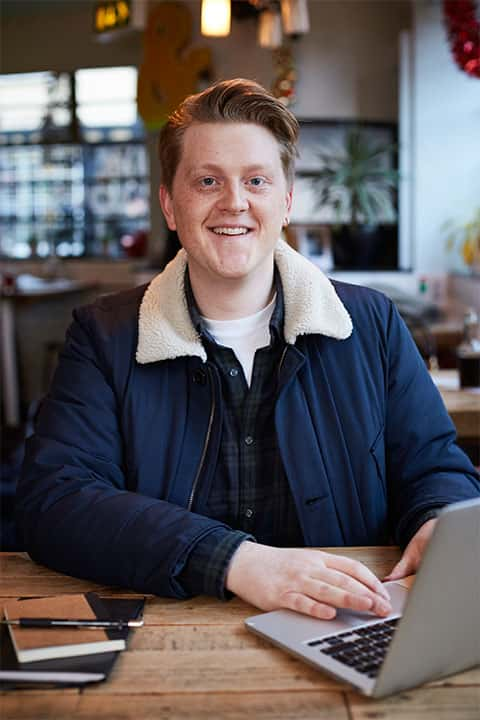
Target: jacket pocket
[{"x": 377, "y": 450}]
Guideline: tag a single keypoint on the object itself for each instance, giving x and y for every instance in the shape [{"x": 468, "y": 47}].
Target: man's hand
[
  {"x": 410, "y": 560},
  {"x": 312, "y": 582}
]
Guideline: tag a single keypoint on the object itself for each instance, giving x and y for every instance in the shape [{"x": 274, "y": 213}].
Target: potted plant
[
  {"x": 357, "y": 182},
  {"x": 466, "y": 239}
]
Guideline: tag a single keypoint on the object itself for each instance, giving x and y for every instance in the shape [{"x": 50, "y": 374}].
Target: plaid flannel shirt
[{"x": 249, "y": 492}]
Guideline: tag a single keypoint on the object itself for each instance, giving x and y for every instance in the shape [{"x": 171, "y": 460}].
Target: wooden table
[
  {"x": 194, "y": 659},
  {"x": 463, "y": 405},
  {"x": 45, "y": 291}
]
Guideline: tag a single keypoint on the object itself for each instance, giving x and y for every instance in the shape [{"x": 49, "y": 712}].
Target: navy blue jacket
[{"x": 366, "y": 442}]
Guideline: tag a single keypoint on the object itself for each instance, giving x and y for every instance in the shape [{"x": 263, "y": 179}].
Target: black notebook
[
  {"x": 47, "y": 643},
  {"x": 69, "y": 671}
]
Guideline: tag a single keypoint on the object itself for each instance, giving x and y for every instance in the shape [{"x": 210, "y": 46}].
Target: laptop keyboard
[{"x": 362, "y": 649}]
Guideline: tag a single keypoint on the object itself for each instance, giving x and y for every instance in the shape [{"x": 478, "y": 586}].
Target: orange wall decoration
[{"x": 169, "y": 71}]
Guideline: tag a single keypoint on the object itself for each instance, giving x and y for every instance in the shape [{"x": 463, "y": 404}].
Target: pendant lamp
[{"x": 216, "y": 18}]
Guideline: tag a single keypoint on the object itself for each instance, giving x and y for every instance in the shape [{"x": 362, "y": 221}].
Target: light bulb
[
  {"x": 295, "y": 17},
  {"x": 269, "y": 29},
  {"x": 216, "y": 18}
]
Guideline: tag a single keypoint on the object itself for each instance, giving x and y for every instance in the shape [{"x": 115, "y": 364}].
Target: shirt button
[
  {"x": 200, "y": 377},
  {"x": 233, "y": 372},
  {"x": 249, "y": 440},
  {"x": 248, "y": 513}
]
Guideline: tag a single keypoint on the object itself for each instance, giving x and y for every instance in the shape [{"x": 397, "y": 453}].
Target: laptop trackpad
[
  {"x": 292, "y": 628},
  {"x": 398, "y": 597}
]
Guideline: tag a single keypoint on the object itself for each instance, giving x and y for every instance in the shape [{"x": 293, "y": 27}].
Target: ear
[
  {"x": 166, "y": 204},
  {"x": 288, "y": 204}
]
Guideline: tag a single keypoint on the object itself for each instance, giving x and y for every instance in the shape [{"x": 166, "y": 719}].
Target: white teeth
[{"x": 230, "y": 230}]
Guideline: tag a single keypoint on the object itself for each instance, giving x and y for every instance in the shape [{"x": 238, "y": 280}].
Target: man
[{"x": 200, "y": 432}]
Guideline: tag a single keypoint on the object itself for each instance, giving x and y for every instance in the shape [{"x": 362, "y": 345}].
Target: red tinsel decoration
[{"x": 464, "y": 34}]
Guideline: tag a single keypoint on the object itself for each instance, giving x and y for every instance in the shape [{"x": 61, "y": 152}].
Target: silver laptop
[{"x": 433, "y": 631}]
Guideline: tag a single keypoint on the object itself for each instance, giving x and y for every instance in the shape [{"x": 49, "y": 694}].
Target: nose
[{"x": 233, "y": 198}]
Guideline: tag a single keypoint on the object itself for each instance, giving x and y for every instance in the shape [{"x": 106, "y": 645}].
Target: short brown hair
[{"x": 236, "y": 100}]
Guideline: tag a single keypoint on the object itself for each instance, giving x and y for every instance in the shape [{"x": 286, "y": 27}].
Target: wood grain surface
[
  {"x": 194, "y": 659},
  {"x": 463, "y": 405}
]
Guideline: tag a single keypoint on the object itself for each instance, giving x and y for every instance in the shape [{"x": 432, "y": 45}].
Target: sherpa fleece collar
[{"x": 311, "y": 307}]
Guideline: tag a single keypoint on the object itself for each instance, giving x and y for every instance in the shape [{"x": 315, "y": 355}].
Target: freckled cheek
[
  {"x": 274, "y": 213},
  {"x": 192, "y": 210}
]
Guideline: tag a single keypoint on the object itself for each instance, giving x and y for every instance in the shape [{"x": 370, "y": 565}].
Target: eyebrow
[{"x": 212, "y": 167}]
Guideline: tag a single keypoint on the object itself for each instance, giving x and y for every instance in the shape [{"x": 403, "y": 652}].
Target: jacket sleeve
[
  {"x": 74, "y": 510},
  {"x": 425, "y": 466}
]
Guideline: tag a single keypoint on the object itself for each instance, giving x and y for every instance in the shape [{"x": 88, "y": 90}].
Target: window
[
  {"x": 34, "y": 107},
  {"x": 106, "y": 104},
  {"x": 73, "y": 175},
  {"x": 41, "y": 201}
]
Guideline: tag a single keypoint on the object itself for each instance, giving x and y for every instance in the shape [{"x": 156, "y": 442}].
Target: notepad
[{"x": 33, "y": 644}]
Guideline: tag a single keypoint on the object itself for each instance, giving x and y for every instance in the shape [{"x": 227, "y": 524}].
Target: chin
[
  {"x": 232, "y": 273},
  {"x": 235, "y": 264}
]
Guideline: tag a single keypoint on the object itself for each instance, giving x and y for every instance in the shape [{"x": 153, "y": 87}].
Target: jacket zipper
[
  {"x": 209, "y": 432},
  {"x": 205, "y": 446},
  {"x": 281, "y": 362}
]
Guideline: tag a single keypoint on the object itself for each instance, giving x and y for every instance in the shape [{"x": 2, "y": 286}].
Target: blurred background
[{"x": 387, "y": 188}]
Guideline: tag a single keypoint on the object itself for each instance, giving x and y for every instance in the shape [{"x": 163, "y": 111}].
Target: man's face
[{"x": 229, "y": 200}]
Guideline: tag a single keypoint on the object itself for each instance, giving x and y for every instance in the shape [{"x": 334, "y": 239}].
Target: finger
[
  {"x": 308, "y": 606},
  {"x": 357, "y": 570},
  {"x": 346, "y": 582},
  {"x": 339, "y": 598},
  {"x": 353, "y": 587},
  {"x": 404, "y": 567},
  {"x": 335, "y": 596}
]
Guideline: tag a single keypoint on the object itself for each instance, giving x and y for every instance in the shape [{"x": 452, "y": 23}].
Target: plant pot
[{"x": 366, "y": 247}]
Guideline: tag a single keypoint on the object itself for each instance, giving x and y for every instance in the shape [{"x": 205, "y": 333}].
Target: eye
[
  {"x": 257, "y": 181},
  {"x": 207, "y": 182}
]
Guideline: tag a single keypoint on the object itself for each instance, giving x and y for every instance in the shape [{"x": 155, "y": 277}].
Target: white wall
[
  {"x": 446, "y": 141},
  {"x": 348, "y": 63}
]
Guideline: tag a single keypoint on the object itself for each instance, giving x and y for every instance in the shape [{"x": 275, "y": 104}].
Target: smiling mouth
[{"x": 220, "y": 230}]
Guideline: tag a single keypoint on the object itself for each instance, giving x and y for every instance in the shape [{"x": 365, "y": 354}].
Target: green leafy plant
[{"x": 356, "y": 180}]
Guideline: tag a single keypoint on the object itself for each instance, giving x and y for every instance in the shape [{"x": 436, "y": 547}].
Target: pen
[{"x": 80, "y": 624}]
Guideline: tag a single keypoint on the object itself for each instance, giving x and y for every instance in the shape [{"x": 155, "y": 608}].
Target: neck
[{"x": 231, "y": 298}]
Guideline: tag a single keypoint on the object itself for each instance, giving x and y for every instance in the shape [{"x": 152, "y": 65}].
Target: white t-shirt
[{"x": 244, "y": 335}]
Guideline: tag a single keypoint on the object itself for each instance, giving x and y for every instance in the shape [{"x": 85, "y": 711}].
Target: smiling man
[
  {"x": 204, "y": 433},
  {"x": 228, "y": 201}
]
